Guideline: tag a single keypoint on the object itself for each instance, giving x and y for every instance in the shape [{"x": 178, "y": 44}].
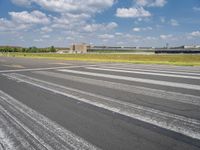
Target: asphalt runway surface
[{"x": 54, "y": 104}]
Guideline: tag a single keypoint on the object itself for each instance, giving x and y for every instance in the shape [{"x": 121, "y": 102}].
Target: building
[
  {"x": 191, "y": 46},
  {"x": 177, "y": 51},
  {"x": 79, "y": 48}
]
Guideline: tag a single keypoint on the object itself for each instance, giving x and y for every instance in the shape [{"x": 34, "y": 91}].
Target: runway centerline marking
[
  {"x": 13, "y": 66},
  {"x": 60, "y": 137},
  {"x": 142, "y": 80},
  {"x": 158, "y": 68},
  {"x": 180, "y": 124},
  {"x": 162, "y": 94},
  {"x": 38, "y": 69},
  {"x": 166, "y": 74}
]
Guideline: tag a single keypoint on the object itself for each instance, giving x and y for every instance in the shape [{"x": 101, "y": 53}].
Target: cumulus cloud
[
  {"x": 111, "y": 25},
  {"x": 70, "y": 5},
  {"x": 100, "y": 27},
  {"x": 132, "y": 12},
  {"x": 46, "y": 36},
  {"x": 34, "y": 17},
  {"x": 196, "y": 8},
  {"x": 195, "y": 34},
  {"x": 174, "y": 22},
  {"x": 8, "y": 25},
  {"x": 167, "y": 36},
  {"x": 68, "y": 20},
  {"x": 106, "y": 36},
  {"x": 23, "y": 20},
  {"x": 46, "y": 29},
  {"x": 38, "y": 40},
  {"x": 151, "y": 3},
  {"x": 162, "y": 19},
  {"x": 136, "y": 29},
  {"x": 5, "y": 24},
  {"x": 138, "y": 11}
]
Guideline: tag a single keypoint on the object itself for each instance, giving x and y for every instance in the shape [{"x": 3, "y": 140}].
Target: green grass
[{"x": 186, "y": 60}]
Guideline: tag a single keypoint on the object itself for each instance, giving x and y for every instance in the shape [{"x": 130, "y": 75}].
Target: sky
[{"x": 153, "y": 23}]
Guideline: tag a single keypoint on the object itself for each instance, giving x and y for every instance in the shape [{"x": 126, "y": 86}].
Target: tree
[{"x": 52, "y": 49}]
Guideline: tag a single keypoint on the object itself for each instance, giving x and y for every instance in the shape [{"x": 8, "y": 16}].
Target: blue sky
[{"x": 60, "y": 23}]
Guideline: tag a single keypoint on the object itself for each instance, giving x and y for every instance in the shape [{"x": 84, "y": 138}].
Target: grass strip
[{"x": 177, "y": 59}]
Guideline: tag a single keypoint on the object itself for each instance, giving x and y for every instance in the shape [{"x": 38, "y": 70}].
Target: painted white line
[
  {"x": 30, "y": 132},
  {"x": 162, "y": 94},
  {"x": 159, "y": 67},
  {"x": 18, "y": 137},
  {"x": 145, "y": 73},
  {"x": 148, "y": 81},
  {"x": 14, "y": 66},
  {"x": 180, "y": 124},
  {"x": 38, "y": 69},
  {"x": 152, "y": 70},
  {"x": 49, "y": 128},
  {"x": 60, "y": 63}
]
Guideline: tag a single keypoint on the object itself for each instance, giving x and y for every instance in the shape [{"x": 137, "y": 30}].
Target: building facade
[{"x": 79, "y": 48}]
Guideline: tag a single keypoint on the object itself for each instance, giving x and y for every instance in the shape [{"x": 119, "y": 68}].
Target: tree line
[{"x": 27, "y": 50}]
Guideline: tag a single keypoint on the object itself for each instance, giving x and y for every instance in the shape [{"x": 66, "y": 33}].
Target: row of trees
[{"x": 27, "y": 50}]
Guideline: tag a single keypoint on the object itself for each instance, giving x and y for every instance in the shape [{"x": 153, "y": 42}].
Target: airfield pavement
[{"x": 54, "y": 104}]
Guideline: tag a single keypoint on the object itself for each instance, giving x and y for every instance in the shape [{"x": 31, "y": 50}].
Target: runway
[{"x": 53, "y": 104}]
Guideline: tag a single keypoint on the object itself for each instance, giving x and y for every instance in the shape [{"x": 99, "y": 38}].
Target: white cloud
[
  {"x": 174, "y": 22},
  {"x": 132, "y": 12},
  {"x": 92, "y": 27},
  {"x": 106, "y": 36},
  {"x": 112, "y": 25},
  {"x": 75, "y": 17},
  {"x": 70, "y": 5},
  {"x": 34, "y": 17},
  {"x": 167, "y": 36},
  {"x": 147, "y": 28},
  {"x": 196, "y": 8},
  {"x": 150, "y": 38},
  {"x": 46, "y": 29},
  {"x": 151, "y": 3},
  {"x": 99, "y": 27},
  {"x": 195, "y": 34},
  {"x": 46, "y": 36},
  {"x": 38, "y": 40},
  {"x": 68, "y": 20},
  {"x": 23, "y": 20},
  {"x": 118, "y": 34},
  {"x": 7, "y": 25},
  {"x": 136, "y": 29},
  {"x": 162, "y": 19}
]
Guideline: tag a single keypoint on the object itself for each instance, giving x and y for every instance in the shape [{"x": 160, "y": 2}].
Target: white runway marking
[
  {"x": 148, "y": 81},
  {"x": 159, "y": 67},
  {"x": 60, "y": 63},
  {"x": 180, "y": 124},
  {"x": 38, "y": 69},
  {"x": 153, "y": 70},
  {"x": 145, "y": 73},
  {"x": 26, "y": 129},
  {"x": 164, "y": 95},
  {"x": 49, "y": 134}
]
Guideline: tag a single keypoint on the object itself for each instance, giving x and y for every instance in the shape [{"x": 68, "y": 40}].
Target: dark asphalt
[{"x": 100, "y": 127}]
